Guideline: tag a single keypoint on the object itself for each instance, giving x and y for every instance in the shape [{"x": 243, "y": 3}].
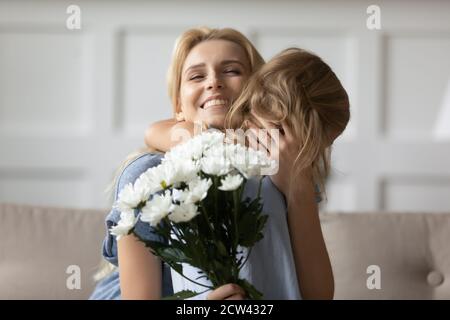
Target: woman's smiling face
[{"x": 213, "y": 76}]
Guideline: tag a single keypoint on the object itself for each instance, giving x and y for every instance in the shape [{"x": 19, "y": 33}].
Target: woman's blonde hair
[
  {"x": 192, "y": 37},
  {"x": 298, "y": 87}
]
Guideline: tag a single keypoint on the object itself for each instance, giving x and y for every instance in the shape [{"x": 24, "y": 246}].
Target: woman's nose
[{"x": 215, "y": 82}]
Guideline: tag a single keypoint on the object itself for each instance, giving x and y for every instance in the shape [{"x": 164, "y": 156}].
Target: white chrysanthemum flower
[
  {"x": 179, "y": 195},
  {"x": 187, "y": 170},
  {"x": 190, "y": 150},
  {"x": 129, "y": 198},
  {"x": 212, "y": 138},
  {"x": 126, "y": 223},
  {"x": 215, "y": 166},
  {"x": 231, "y": 182},
  {"x": 184, "y": 212},
  {"x": 194, "y": 148},
  {"x": 217, "y": 150},
  {"x": 233, "y": 150},
  {"x": 250, "y": 162},
  {"x": 198, "y": 190},
  {"x": 143, "y": 187},
  {"x": 157, "y": 209},
  {"x": 172, "y": 172},
  {"x": 157, "y": 178}
]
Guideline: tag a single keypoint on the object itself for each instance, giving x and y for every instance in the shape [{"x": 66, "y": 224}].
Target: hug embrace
[{"x": 218, "y": 79}]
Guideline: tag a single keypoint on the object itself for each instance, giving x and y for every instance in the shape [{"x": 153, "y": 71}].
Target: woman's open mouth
[{"x": 215, "y": 103}]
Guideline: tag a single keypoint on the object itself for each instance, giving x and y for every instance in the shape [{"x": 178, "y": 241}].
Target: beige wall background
[{"x": 74, "y": 103}]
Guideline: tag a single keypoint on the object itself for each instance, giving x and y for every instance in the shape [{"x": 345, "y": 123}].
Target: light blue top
[{"x": 270, "y": 267}]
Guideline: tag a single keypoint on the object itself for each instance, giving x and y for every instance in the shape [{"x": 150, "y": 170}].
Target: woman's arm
[
  {"x": 165, "y": 134},
  {"x": 140, "y": 271}
]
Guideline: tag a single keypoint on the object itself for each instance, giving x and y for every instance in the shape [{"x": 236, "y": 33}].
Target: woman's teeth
[{"x": 215, "y": 102}]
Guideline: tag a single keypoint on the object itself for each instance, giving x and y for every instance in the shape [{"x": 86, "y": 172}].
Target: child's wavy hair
[{"x": 299, "y": 87}]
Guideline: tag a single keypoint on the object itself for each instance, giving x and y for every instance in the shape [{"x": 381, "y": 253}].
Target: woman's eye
[
  {"x": 196, "y": 77},
  {"x": 233, "y": 71}
]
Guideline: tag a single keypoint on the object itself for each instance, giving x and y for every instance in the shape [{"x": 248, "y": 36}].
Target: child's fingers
[
  {"x": 276, "y": 134},
  {"x": 277, "y": 141},
  {"x": 236, "y": 297},
  {"x": 225, "y": 292},
  {"x": 257, "y": 140}
]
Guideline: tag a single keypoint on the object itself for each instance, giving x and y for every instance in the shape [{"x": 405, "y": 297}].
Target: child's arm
[{"x": 165, "y": 134}]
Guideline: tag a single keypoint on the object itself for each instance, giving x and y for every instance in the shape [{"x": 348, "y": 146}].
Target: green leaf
[
  {"x": 250, "y": 290},
  {"x": 174, "y": 254},
  {"x": 221, "y": 249},
  {"x": 181, "y": 295},
  {"x": 177, "y": 267}
]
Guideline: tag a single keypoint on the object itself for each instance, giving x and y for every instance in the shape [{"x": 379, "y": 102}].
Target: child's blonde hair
[
  {"x": 299, "y": 87},
  {"x": 192, "y": 37}
]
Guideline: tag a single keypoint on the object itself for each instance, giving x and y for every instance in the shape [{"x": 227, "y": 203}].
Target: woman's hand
[{"x": 228, "y": 291}]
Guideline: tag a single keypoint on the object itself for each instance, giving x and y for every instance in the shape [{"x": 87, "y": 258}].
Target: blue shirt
[
  {"x": 270, "y": 267},
  {"x": 109, "y": 287}
]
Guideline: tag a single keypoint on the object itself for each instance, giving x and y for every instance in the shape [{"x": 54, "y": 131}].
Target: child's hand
[
  {"x": 284, "y": 151},
  {"x": 229, "y": 291}
]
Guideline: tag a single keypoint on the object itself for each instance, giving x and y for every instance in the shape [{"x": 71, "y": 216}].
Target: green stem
[
  {"x": 236, "y": 233},
  {"x": 215, "y": 198},
  {"x": 205, "y": 215},
  {"x": 212, "y": 276}
]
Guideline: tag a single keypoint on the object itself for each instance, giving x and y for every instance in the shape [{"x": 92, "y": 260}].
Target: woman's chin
[
  {"x": 215, "y": 117},
  {"x": 217, "y": 122}
]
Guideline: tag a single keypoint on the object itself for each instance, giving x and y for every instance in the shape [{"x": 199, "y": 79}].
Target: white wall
[{"x": 74, "y": 103}]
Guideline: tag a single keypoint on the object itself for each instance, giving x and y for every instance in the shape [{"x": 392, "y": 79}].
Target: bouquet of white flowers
[{"x": 197, "y": 207}]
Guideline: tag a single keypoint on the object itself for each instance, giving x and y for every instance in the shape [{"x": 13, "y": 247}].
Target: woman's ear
[{"x": 179, "y": 116}]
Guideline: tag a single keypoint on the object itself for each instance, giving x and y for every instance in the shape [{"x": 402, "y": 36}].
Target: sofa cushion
[
  {"x": 411, "y": 250},
  {"x": 38, "y": 246}
]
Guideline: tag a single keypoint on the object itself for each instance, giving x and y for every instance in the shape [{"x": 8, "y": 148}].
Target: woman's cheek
[{"x": 191, "y": 95}]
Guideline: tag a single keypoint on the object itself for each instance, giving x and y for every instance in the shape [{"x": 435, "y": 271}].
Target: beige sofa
[{"x": 42, "y": 249}]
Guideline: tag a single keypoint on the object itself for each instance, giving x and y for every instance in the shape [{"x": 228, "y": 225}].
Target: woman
[{"x": 142, "y": 275}]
